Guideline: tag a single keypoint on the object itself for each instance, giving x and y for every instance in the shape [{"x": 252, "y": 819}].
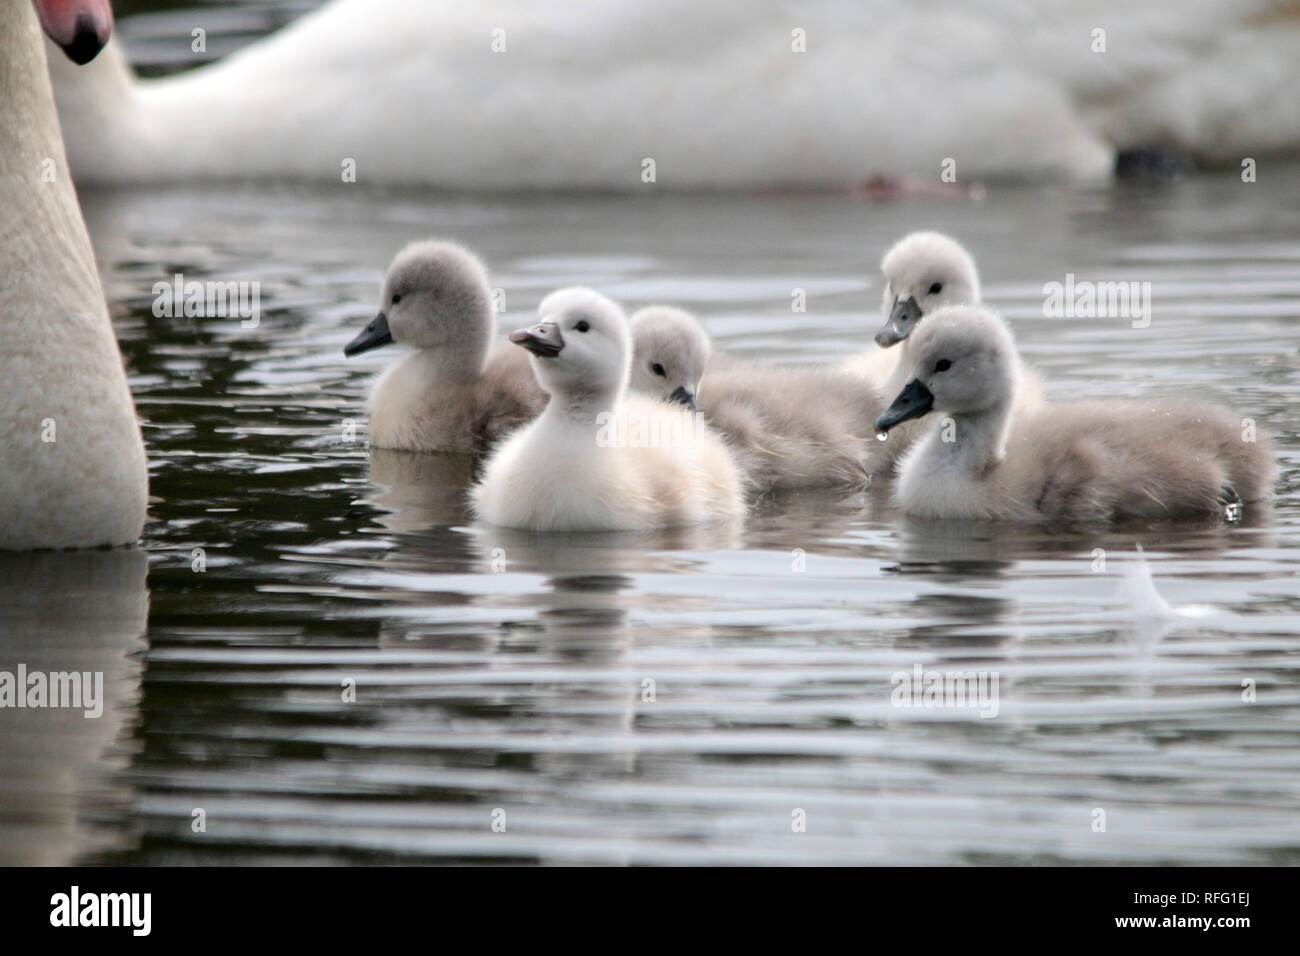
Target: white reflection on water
[{"x": 61, "y": 789}]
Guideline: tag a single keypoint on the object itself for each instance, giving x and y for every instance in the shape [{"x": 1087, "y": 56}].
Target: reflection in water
[
  {"x": 1147, "y": 618},
  {"x": 61, "y": 793},
  {"x": 420, "y": 490},
  {"x": 584, "y": 626}
]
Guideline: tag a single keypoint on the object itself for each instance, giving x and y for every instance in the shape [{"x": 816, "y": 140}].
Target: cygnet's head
[
  {"x": 581, "y": 348},
  {"x": 435, "y": 296},
  {"x": 669, "y": 351},
  {"x": 963, "y": 363},
  {"x": 924, "y": 271}
]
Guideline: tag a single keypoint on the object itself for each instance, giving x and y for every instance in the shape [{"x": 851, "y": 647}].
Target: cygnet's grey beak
[
  {"x": 912, "y": 402},
  {"x": 80, "y": 27},
  {"x": 902, "y": 319},
  {"x": 683, "y": 397},
  {"x": 372, "y": 337},
  {"x": 543, "y": 339}
]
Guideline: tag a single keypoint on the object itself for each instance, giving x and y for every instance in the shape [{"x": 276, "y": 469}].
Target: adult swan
[
  {"x": 637, "y": 95},
  {"x": 72, "y": 464}
]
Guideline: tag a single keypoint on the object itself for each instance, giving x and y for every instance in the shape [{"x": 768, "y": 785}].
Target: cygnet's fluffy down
[
  {"x": 923, "y": 271},
  {"x": 456, "y": 392},
  {"x": 790, "y": 426},
  {"x": 670, "y": 351},
  {"x": 987, "y": 457},
  {"x": 795, "y": 426},
  {"x": 598, "y": 459}
]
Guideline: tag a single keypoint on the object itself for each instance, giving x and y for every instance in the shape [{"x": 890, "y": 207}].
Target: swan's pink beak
[{"x": 80, "y": 27}]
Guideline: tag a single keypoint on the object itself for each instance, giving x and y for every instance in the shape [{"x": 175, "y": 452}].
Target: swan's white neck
[
  {"x": 72, "y": 472},
  {"x": 103, "y": 125},
  {"x": 43, "y": 224}
]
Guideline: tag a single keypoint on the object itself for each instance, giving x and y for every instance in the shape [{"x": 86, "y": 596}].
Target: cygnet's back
[
  {"x": 789, "y": 426},
  {"x": 457, "y": 392},
  {"x": 597, "y": 459},
  {"x": 1102, "y": 460},
  {"x": 795, "y": 426}
]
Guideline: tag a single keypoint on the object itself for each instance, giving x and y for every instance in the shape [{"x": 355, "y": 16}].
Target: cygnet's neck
[
  {"x": 457, "y": 361},
  {"x": 581, "y": 405},
  {"x": 979, "y": 439},
  {"x": 902, "y": 372}
]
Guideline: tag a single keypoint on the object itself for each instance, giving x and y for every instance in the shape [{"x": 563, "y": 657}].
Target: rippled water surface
[{"x": 680, "y": 698}]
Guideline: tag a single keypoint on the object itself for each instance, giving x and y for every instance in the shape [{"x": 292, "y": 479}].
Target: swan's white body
[
  {"x": 715, "y": 93},
  {"x": 592, "y": 461},
  {"x": 1060, "y": 462},
  {"x": 72, "y": 463}
]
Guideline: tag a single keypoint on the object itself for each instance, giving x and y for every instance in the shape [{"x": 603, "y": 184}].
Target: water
[{"x": 506, "y": 677}]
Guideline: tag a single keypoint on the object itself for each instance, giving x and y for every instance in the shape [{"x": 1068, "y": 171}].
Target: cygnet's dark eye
[
  {"x": 658, "y": 369},
  {"x": 936, "y": 288},
  {"x": 583, "y": 325},
  {"x": 942, "y": 365},
  {"x": 396, "y": 299}
]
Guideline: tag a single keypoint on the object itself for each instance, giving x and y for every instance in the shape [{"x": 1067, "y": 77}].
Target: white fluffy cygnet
[
  {"x": 790, "y": 426},
  {"x": 1057, "y": 462},
  {"x": 456, "y": 392},
  {"x": 598, "y": 459}
]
